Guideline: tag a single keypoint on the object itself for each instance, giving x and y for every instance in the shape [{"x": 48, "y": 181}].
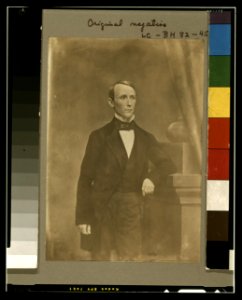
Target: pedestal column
[{"x": 188, "y": 187}]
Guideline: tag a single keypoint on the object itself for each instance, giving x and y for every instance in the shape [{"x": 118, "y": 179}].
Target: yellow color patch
[{"x": 219, "y": 102}]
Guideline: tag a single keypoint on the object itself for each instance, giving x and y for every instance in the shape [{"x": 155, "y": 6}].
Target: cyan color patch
[{"x": 220, "y": 39}]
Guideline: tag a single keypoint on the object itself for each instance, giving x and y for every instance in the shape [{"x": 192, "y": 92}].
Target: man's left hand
[{"x": 148, "y": 187}]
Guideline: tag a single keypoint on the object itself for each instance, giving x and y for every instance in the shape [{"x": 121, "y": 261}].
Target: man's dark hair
[{"x": 124, "y": 82}]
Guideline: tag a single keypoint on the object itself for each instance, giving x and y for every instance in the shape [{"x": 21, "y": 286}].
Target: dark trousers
[{"x": 120, "y": 228}]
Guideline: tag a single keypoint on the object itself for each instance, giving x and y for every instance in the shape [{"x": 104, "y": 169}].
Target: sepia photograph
[{"x": 124, "y": 160}]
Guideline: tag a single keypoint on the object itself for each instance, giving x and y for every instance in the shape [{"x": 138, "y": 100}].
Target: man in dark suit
[{"x": 122, "y": 165}]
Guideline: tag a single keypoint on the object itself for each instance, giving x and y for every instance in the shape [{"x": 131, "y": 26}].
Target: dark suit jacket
[{"x": 104, "y": 162}]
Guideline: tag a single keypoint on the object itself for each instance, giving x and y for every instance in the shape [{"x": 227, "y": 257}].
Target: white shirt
[{"x": 127, "y": 136}]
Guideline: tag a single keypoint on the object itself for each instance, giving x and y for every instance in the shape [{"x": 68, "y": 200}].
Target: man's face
[{"x": 124, "y": 101}]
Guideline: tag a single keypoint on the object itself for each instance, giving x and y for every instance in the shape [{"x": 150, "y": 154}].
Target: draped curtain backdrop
[{"x": 186, "y": 67}]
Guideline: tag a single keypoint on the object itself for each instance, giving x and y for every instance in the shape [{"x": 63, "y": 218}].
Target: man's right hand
[{"x": 85, "y": 228}]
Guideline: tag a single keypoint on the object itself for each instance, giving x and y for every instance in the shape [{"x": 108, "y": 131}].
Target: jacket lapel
[
  {"x": 115, "y": 144},
  {"x": 139, "y": 149}
]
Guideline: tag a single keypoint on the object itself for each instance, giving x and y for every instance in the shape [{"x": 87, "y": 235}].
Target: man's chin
[{"x": 128, "y": 117}]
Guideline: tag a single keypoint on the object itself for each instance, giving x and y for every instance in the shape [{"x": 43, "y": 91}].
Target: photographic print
[{"x": 124, "y": 149}]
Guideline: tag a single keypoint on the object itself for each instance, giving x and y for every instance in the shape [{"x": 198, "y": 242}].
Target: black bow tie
[{"x": 124, "y": 125}]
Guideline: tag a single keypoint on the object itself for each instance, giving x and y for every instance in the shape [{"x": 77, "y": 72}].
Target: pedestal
[{"x": 188, "y": 188}]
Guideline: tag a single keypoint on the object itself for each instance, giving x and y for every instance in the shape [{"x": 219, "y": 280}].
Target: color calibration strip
[
  {"x": 23, "y": 103},
  {"x": 219, "y": 212},
  {"x": 25, "y": 175}
]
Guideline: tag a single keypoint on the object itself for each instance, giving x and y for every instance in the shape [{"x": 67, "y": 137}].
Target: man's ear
[{"x": 110, "y": 102}]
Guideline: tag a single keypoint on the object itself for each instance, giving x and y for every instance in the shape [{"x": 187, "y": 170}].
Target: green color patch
[{"x": 219, "y": 71}]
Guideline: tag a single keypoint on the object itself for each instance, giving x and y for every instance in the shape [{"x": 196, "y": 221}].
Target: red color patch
[
  {"x": 218, "y": 164},
  {"x": 218, "y": 133}
]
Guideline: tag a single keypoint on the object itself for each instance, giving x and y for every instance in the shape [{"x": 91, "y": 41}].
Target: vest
[{"x": 130, "y": 181}]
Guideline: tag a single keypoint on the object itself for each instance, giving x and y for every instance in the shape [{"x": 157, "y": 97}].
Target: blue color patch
[{"x": 220, "y": 39}]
